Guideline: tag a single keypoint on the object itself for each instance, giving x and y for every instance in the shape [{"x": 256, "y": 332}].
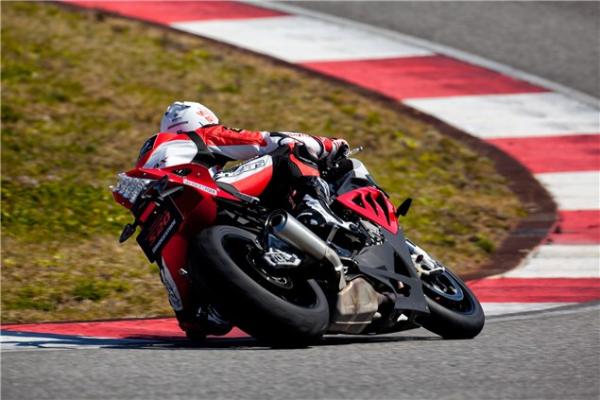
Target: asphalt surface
[
  {"x": 542, "y": 356},
  {"x": 559, "y": 41}
]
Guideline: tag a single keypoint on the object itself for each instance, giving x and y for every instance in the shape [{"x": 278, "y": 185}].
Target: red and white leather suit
[{"x": 231, "y": 144}]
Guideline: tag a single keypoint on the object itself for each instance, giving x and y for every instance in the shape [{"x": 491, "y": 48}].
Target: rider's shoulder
[
  {"x": 217, "y": 128},
  {"x": 210, "y": 127},
  {"x": 163, "y": 137}
]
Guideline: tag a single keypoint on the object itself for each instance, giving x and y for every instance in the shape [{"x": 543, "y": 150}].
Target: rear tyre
[
  {"x": 279, "y": 310},
  {"x": 455, "y": 312},
  {"x": 196, "y": 336}
]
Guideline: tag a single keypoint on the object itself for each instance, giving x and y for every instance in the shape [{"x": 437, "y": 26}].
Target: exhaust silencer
[{"x": 289, "y": 229}]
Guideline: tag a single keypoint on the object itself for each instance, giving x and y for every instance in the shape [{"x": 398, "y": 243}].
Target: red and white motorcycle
[{"x": 278, "y": 280}]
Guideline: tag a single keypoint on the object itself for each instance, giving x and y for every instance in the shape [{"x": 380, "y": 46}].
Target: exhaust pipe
[{"x": 289, "y": 229}]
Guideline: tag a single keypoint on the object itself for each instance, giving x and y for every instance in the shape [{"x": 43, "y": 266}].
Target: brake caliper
[
  {"x": 423, "y": 262},
  {"x": 280, "y": 259}
]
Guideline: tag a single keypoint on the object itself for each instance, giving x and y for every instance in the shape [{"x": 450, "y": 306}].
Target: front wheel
[
  {"x": 280, "y": 310},
  {"x": 455, "y": 312}
]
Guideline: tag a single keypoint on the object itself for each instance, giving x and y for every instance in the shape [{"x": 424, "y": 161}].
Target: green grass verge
[{"x": 82, "y": 91}]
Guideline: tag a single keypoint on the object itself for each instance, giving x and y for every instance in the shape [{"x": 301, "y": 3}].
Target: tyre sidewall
[
  {"x": 250, "y": 305},
  {"x": 451, "y": 324}
]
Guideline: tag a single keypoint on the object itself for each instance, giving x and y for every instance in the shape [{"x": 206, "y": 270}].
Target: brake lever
[
  {"x": 354, "y": 151},
  {"x": 347, "y": 153}
]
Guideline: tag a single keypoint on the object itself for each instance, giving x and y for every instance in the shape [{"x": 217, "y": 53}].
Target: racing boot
[
  {"x": 207, "y": 321},
  {"x": 314, "y": 212}
]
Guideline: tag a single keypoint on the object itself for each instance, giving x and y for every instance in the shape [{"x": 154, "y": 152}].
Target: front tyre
[
  {"x": 455, "y": 312},
  {"x": 280, "y": 310}
]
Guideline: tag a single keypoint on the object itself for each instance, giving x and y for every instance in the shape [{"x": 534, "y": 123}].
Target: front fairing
[{"x": 390, "y": 263}]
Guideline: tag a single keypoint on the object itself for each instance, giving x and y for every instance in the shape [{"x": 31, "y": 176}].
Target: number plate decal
[{"x": 158, "y": 229}]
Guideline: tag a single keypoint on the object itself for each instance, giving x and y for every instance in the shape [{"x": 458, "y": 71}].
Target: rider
[{"x": 190, "y": 132}]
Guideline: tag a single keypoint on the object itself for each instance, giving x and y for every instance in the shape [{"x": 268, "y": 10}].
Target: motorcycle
[{"x": 280, "y": 281}]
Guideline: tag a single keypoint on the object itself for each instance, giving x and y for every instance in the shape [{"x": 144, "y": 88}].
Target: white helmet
[{"x": 186, "y": 116}]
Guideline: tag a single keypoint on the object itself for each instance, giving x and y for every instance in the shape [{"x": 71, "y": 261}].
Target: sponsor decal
[
  {"x": 200, "y": 186},
  {"x": 166, "y": 234},
  {"x": 158, "y": 229},
  {"x": 248, "y": 166},
  {"x": 207, "y": 115}
]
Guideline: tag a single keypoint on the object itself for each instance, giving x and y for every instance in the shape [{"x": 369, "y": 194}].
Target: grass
[{"x": 81, "y": 91}]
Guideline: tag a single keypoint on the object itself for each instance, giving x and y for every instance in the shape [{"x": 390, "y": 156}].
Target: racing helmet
[{"x": 186, "y": 116}]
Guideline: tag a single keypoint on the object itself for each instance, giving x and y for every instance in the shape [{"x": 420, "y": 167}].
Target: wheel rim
[
  {"x": 295, "y": 290},
  {"x": 448, "y": 291}
]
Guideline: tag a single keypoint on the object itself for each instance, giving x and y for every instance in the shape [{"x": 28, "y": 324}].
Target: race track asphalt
[
  {"x": 550, "y": 355},
  {"x": 559, "y": 41}
]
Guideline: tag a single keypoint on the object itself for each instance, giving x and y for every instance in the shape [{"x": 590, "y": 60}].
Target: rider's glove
[{"x": 339, "y": 149}]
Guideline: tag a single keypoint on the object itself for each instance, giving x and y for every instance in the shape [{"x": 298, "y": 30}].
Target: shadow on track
[
  {"x": 26, "y": 341},
  {"x": 253, "y": 344}
]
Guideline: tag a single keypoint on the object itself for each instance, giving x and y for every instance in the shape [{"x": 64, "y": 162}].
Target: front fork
[{"x": 423, "y": 262}]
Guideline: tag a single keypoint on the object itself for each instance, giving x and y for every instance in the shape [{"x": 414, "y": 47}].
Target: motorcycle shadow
[
  {"x": 17, "y": 340},
  {"x": 249, "y": 343}
]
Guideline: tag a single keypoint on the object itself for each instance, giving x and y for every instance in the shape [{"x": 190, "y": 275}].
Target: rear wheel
[
  {"x": 278, "y": 309},
  {"x": 455, "y": 312}
]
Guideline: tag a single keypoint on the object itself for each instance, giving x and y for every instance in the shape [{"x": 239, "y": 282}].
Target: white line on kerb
[
  {"x": 578, "y": 309},
  {"x": 437, "y": 48}
]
